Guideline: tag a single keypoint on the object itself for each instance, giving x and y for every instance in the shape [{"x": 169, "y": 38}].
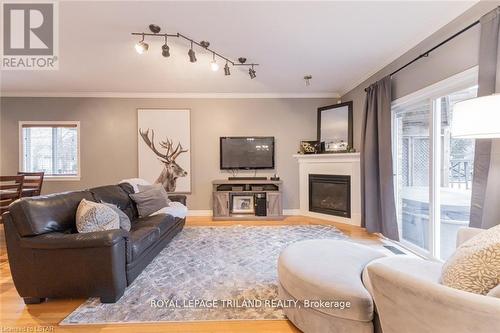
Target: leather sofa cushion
[
  {"x": 163, "y": 222},
  {"x": 116, "y": 195},
  {"x": 140, "y": 239},
  {"x": 325, "y": 269},
  {"x": 50, "y": 213}
]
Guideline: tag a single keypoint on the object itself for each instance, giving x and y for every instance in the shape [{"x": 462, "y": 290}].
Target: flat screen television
[{"x": 247, "y": 153}]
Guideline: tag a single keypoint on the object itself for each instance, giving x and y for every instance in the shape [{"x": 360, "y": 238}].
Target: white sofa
[
  {"x": 406, "y": 291},
  {"x": 409, "y": 298}
]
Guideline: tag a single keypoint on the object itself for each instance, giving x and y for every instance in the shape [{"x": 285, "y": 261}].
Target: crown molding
[{"x": 167, "y": 95}]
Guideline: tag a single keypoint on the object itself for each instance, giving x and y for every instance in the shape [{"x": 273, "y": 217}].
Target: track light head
[
  {"x": 226, "y": 70},
  {"x": 214, "y": 65},
  {"x": 191, "y": 54},
  {"x": 165, "y": 51},
  {"x": 252, "y": 72},
  {"x": 204, "y": 44},
  {"x": 142, "y": 46},
  {"x": 242, "y": 60}
]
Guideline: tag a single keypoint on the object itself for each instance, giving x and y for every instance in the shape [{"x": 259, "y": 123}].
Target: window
[
  {"x": 51, "y": 147},
  {"x": 433, "y": 170}
]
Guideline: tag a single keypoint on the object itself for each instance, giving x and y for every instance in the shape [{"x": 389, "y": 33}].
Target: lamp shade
[{"x": 477, "y": 118}]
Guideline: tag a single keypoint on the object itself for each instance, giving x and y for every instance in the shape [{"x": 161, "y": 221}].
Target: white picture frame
[
  {"x": 160, "y": 163},
  {"x": 243, "y": 204}
]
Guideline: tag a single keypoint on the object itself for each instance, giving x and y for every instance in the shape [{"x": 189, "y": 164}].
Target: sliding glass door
[
  {"x": 432, "y": 170},
  {"x": 412, "y": 148},
  {"x": 456, "y": 164}
]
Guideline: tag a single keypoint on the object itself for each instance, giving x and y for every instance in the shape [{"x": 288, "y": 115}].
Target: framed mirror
[{"x": 335, "y": 127}]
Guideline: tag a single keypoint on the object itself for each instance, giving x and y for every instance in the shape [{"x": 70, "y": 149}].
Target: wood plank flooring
[{"x": 15, "y": 316}]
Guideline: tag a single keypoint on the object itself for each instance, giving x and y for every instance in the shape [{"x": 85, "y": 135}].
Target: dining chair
[
  {"x": 10, "y": 190},
  {"x": 32, "y": 185}
]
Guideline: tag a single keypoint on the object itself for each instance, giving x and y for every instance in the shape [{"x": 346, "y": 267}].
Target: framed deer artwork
[{"x": 164, "y": 143}]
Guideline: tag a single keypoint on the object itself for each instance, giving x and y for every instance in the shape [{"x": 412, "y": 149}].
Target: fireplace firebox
[{"x": 330, "y": 194}]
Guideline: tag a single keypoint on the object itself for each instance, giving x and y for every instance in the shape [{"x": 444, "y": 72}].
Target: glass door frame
[{"x": 433, "y": 95}]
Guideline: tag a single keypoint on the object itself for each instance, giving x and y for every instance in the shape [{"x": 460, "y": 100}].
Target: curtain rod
[{"x": 426, "y": 54}]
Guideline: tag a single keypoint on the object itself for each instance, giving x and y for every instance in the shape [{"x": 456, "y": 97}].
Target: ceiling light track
[{"x": 142, "y": 47}]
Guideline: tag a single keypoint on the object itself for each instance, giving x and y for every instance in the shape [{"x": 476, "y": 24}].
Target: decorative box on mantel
[{"x": 330, "y": 186}]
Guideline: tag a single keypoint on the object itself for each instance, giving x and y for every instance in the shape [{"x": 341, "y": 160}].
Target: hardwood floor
[{"x": 15, "y": 316}]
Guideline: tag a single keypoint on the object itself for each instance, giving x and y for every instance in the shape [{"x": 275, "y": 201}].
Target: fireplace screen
[{"x": 330, "y": 194}]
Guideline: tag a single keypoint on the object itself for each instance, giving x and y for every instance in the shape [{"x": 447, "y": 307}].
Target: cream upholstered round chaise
[{"x": 329, "y": 271}]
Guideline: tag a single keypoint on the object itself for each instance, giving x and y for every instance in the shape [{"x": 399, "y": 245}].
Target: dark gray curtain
[
  {"x": 483, "y": 203},
  {"x": 378, "y": 208}
]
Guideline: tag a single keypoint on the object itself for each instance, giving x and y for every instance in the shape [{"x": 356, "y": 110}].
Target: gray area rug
[{"x": 207, "y": 273}]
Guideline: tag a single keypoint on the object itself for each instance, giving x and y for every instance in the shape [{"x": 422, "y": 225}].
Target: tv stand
[{"x": 250, "y": 198}]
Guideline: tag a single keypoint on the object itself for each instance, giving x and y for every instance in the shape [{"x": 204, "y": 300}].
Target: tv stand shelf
[{"x": 264, "y": 195}]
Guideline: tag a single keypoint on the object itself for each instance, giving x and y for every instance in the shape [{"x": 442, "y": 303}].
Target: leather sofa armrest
[
  {"x": 178, "y": 198},
  {"x": 466, "y": 233},
  {"x": 57, "y": 240}
]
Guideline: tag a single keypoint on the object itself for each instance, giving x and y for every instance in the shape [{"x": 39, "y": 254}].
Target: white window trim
[
  {"x": 45, "y": 122},
  {"x": 460, "y": 81}
]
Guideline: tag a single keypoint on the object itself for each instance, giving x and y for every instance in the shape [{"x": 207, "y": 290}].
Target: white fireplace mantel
[{"x": 331, "y": 164}]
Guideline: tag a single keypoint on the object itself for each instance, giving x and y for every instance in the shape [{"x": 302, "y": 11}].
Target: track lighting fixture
[
  {"x": 251, "y": 72},
  {"x": 165, "y": 50},
  {"x": 142, "y": 47},
  {"x": 192, "y": 55},
  {"x": 214, "y": 65}
]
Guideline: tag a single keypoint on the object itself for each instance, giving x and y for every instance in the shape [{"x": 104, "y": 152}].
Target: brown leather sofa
[{"x": 48, "y": 258}]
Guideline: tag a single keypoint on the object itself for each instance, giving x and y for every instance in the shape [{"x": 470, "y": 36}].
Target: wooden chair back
[
  {"x": 11, "y": 188},
  {"x": 33, "y": 181}
]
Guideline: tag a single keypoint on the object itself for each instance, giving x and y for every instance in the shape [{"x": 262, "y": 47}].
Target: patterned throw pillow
[
  {"x": 475, "y": 265},
  {"x": 92, "y": 216}
]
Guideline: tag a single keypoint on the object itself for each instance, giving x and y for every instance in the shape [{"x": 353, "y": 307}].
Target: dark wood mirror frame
[{"x": 350, "y": 120}]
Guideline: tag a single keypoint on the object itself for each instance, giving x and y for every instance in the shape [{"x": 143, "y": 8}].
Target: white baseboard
[
  {"x": 208, "y": 212},
  {"x": 291, "y": 211}
]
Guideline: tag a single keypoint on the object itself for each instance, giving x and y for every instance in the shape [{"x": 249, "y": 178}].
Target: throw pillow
[
  {"x": 475, "y": 265},
  {"x": 150, "y": 201},
  {"x": 124, "y": 220},
  {"x": 157, "y": 186},
  {"x": 92, "y": 216}
]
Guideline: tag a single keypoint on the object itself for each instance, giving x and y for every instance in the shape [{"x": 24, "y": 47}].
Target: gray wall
[
  {"x": 454, "y": 57},
  {"x": 109, "y": 139}
]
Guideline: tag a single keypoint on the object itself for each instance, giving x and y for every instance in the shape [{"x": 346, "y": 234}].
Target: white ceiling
[{"x": 339, "y": 43}]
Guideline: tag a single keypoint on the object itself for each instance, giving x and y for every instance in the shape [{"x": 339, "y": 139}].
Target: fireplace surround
[
  {"x": 330, "y": 194},
  {"x": 337, "y": 164}
]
